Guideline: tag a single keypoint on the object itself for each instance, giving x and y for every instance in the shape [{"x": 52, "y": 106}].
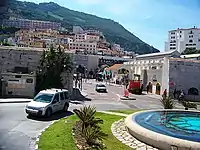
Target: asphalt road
[{"x": 17, "y": 132}]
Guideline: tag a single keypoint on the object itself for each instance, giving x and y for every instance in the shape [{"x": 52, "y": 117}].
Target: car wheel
[
  {"x": 65, "y": 108},
  {"x": 48, "y": 112}
]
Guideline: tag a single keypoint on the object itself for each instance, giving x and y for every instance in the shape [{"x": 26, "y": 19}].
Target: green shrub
[
  {"x": 90, "y": 125},
  {"x": 167, "y": 102},
  {"x": 187, "y": 104}
]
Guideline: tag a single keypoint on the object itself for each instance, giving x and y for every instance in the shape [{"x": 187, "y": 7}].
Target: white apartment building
[
  {"x": 92, "y": 37},
  {"x": 181, "y": 39},
  {"x": 80, "y": 37},
  {"x": 89, "y": 47}
]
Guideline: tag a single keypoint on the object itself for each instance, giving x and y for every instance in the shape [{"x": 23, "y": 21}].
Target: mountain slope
[{"x": 113, "y": 31}]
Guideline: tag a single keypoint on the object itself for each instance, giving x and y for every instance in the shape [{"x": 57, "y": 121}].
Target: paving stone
[
  {"x": 120, "y": 131},
  {"x": 142, "y": 148},
  {"x": 141, "y": 145}
]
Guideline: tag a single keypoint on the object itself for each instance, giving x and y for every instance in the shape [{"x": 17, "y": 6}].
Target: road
[{"x": 17, "y": 132}]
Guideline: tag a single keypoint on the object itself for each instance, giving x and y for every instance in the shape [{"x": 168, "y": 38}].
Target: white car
[
  {"x": 48, "y": 101},
  {"x": 101, "y": 88}
]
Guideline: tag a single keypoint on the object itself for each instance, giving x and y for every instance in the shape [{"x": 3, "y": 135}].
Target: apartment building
[
  {"x": 92, "y": 37},
  {"x": 31, "y": 24},
  {"x": 181, "y": 39},
  {"x": 80, "y": 37},
  {"x": 89, "y": 47}
]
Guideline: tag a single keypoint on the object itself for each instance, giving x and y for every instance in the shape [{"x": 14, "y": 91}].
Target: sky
[{"x": 150, "y": 20}]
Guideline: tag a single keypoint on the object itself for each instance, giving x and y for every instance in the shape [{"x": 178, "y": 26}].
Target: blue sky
[{"x": 150, "y": 20}]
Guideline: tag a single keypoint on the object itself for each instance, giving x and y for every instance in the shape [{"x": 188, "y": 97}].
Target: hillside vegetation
[{"x": 113, "y": 31}]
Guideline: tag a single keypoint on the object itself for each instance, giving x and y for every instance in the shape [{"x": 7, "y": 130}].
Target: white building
[
  {"x": 89, "y": 47},
  {"x": 152, "y": 68},
  {"x": 181, "y": 39}
]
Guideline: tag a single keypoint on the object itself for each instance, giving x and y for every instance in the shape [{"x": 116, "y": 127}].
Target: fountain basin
[{"x": 166, "y": 129}]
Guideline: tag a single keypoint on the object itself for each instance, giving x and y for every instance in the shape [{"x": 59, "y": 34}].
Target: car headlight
[{"x": 42, "y": 108}]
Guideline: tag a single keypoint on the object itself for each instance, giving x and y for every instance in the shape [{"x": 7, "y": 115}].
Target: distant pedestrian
[
  {"x": 147, "y": 88},
  {"x": 165, "y": 93},
  {"x": 76, "y": 83},
  {"x": 174, "y": 93}
]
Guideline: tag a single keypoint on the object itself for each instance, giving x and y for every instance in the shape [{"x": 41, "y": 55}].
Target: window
[
  {"x": 190, "y": 32},
  {"x": 198, "y": 40},
  {"x": 190, "y": 41},
  {"x": 56, "y": 98},
  {"x": 29, "y": 80},
  {"x": 180, "y": 31},
  {"x": 154, "y": 67},
  {"x": 62, "y": 97},
  {"x": 66, "y": 95},
  {"x": 173, "y": 37},
  {"x": 180, "y": 36},
  {"x": 190, "y": 36},
  {"x": 40, "y": 97}
]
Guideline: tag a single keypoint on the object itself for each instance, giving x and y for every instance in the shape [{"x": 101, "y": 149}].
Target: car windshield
[
  {"x": 101, "y": 85},
  {"x": 41, "y": 97}
]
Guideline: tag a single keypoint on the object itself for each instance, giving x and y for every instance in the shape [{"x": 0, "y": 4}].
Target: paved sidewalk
[
  {"x": 113, "y": 113},
  {"x": 15, "y": 100}
]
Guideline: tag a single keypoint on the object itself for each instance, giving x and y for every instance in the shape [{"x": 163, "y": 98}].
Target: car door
[
  {"x": 62, "y": 101},
  {"x": 56, "y": 103}
]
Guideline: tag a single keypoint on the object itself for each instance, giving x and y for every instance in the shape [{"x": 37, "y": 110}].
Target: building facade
[
  {"x": 152, "y": 68},
  {"x": 182, "y": 39},
  {"x": 24, "y": 61},
  {"x": 88, "y": 47},
  {"x": 31, "y": 24},
  {"x": 166, "y": 71}
]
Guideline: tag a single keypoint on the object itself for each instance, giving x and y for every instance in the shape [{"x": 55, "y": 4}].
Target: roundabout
[{"x": 166, "y": 129}]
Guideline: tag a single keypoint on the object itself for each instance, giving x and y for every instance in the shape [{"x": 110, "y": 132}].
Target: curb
[
  {"x": 43, "y": 130},
  {"x": 39, "y": 134},
  {"x": 129, "y": 98},
  {"x": 3, "y": 102}
]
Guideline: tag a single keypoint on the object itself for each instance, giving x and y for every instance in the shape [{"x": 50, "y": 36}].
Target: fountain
[{"x": 166, "y": 129}]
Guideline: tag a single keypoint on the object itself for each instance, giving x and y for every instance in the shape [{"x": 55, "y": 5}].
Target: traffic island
[{"x": 127, "y": 98}]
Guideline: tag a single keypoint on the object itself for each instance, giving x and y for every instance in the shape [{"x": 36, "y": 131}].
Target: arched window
[{"x": 193, "y": 91}]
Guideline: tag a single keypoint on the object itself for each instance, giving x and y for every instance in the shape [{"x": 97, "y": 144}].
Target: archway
[
  {"x": 193, "y": 91},
  {"x": 158, "y": 87}
]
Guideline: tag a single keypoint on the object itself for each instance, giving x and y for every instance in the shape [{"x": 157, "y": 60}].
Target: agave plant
[
  {"x": 167, "y": 102},
  {"x": 87, "y": 117},
  {"x": 92, "y": 134}
]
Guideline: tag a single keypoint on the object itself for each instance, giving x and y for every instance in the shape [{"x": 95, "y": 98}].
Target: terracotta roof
[{"x": 114, "y": 67}]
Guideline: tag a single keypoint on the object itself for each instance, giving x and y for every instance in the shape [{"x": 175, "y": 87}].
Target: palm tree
[{"x": 87, "y": 117}]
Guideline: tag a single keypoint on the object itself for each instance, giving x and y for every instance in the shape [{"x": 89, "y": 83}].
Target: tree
[
  {"x": 190, "y": 51},
  {"x": 52, "y": 64}
]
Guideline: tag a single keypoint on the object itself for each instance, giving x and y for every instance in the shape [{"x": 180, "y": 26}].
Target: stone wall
[
  {"x": 185, "y": 74},
  {"x": 11, "y": 57}
]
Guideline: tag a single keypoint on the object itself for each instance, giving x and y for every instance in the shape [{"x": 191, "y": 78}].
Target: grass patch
[
  {"x": 59, "y": 135},
  {"x": 124, "y": 111}
]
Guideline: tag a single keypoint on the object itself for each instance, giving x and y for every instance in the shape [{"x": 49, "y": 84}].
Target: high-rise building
[
  {"x": 182, "y": 39},
  {"x": 31, "y": 24}
]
